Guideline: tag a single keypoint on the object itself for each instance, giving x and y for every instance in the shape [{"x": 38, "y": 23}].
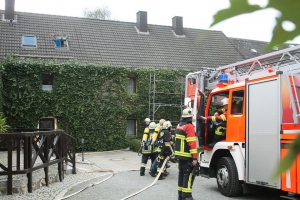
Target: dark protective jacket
[
  {"x": 220, "y": 122},
  {"x": 147, "y": 138},
  {"x": 185, "y": 140},
  {"x": 163, "y": 139}
]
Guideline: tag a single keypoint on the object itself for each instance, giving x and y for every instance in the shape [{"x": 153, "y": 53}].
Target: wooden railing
[{"x": 51, "y": 146}]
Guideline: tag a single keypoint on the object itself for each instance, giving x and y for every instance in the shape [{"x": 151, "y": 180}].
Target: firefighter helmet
[
  {"x": 225, "y": 101},
  {"x": 186, "y": 113},
  {"x": 152, "y": 125},
  {"x": 167, "y": 124},
  {"x": 147, "y": 120}
]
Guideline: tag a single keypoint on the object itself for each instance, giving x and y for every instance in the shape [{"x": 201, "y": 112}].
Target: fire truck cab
[{"x": 262, "y": 120}]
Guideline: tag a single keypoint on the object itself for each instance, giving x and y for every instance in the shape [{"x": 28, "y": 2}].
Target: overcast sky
[{"x": 196, "y": 14}]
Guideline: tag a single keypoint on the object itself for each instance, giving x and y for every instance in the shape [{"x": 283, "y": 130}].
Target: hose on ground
[
  {"x": 158, "y": 175},
  {"x": 113, "y": 173},
  {"x": 90, "y": 185}
]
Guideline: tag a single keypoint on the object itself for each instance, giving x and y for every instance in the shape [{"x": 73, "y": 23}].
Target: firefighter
[
  {"x": 147, "y": 149},
  {"x": 172, "y": 131},
  {"x": 147, "y": 121},
  {"x": 219, "y": 118},
  {"x": 164, "y": 141},
  {"x": 186, "y": 153},
  {"x": 172, "y": 158},
  {"x": 157, "y": 148}
]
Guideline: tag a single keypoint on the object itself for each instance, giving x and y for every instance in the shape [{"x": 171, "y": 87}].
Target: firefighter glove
[{"x": 196, "y": 169}]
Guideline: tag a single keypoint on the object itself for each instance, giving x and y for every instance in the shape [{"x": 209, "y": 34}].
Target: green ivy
[
  {"x": 91, "y": 99},
  {"x": 3, "y": 125}
]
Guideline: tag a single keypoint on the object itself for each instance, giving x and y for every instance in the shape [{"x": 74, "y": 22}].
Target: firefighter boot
[
  {"x": 153, "y": 174},
  {"x": 211, "y": 145},
  {"x": 165, "y": 172},
  {"x": 167, "y": 165},
  {"x": 161, "y": 177},
  {"x": 217, "y": 138},
  {"x": 142, "y": 171}
]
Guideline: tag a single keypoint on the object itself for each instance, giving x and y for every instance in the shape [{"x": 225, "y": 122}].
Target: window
[
  {"x": 131, "y": 85},
  {"x": 216, "y": 102},
  {"x": 60, "y": 41},
  {"x": 29, "y": 41},
  {"x": 47, "y": 81},
  {"x": 131, "y": 127},
  {"x": 46, "y": 123},
  {"x": 237, "y": 102}
]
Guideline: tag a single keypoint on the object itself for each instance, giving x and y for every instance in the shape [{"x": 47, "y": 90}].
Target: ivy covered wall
[{"x": 91, "y": 99}]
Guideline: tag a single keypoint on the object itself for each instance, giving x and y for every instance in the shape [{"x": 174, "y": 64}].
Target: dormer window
[
  {"x": 60, "y": 41},
  {"x": 29, "y": 41}
]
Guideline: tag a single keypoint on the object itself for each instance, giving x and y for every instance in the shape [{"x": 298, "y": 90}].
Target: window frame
[{"x": 23, "y": 43}]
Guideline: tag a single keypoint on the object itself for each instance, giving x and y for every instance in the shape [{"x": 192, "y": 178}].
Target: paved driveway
[{"x": 127, "y": 181}]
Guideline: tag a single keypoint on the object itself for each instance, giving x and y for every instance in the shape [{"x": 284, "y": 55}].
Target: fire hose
[
  {"x": 92, "y": 184},
  {"x": 158, "y": 175},
  {"x": 113, "y": 173}
]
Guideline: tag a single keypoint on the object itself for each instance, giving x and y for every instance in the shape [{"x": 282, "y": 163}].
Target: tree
[
  {"x": 97, "y": 13},
  {"x": 289, "y": 13}
]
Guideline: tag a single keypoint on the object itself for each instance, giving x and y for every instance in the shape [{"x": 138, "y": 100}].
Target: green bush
[
  {"x": 3, "y": 125},
  {"x": 134, "y": 145}
]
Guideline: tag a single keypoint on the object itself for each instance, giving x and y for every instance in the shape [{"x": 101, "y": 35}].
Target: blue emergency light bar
[{"x": 223, "y": 78}]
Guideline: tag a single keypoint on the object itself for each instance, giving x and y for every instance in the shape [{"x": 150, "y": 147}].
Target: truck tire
[{"x": 227, "y": 178}]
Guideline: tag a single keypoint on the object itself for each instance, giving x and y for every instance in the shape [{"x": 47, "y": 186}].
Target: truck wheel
[{"x": 227, "y": 178}]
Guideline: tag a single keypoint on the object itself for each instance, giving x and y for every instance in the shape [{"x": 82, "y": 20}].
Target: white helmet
[
  {"x": 147, "y": 120},
  {"x": 225, "y": 101},
  {"x": 186, "y": 113},
  {"x": 167, "y": 124},
  {"x": 152, "y": 125}
]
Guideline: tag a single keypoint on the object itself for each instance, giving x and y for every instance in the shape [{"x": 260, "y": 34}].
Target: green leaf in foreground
[
  {"x": 289, "y": 12},
  {"x": 289, "y": 159},
  {"x": 237, "y": 7}
]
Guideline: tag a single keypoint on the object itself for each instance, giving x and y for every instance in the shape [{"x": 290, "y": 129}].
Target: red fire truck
[{"x": 262, "y": 120}]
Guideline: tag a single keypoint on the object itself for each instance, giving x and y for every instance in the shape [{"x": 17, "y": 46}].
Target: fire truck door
[{"x": 263, "y": 131}]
